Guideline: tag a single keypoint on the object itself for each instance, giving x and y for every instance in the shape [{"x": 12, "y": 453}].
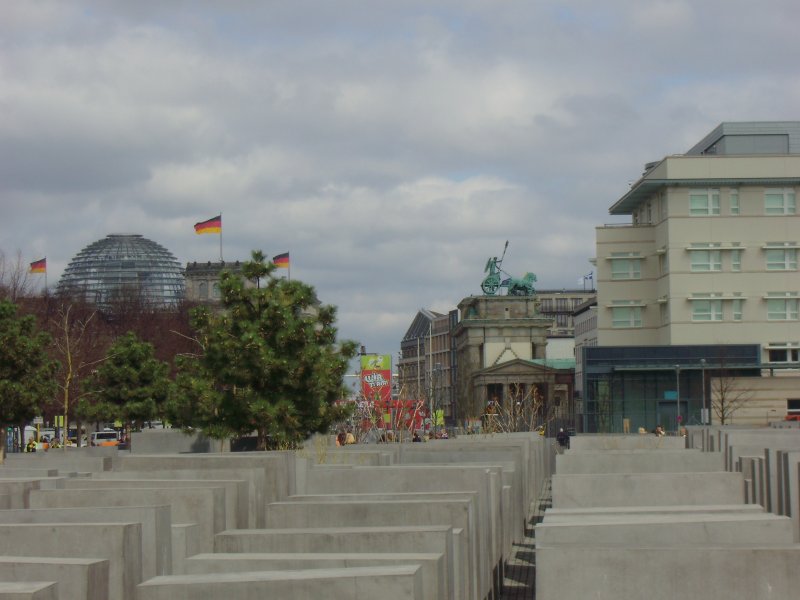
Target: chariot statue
[{"x": 514, "y": 286}]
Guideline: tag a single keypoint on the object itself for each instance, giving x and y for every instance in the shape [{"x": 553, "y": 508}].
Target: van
[{"x": 107, "y": 437}]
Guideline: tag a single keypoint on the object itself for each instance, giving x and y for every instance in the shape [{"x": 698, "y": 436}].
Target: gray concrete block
[
  {"x": 677, "y": 530},
  {"x": 791, "y": 490},
  {"x": 642, "y": 489},
  {"x": 511, "y": 476},
  {"x": 401, "y": 479},
  {"x": 174, "y": 441},
  {"x": 587, "y": 442},
  {"x": 476, "y": 566},
  {"x": 235, "y": 491},
  {"x": 79, "y": 460},
  {"x": 7, "y": 472},
  {"x": 28, "y": 590},
  {"x": 119, "y": 543},
  {"x": 186, "y": 542},
  {"x": 404, "y": 581},
  {"x": 609, "y": 513},
  {"x": 251, "y": 484},
  {"x": 77, "y": 578},
  {"x": 434, "y": 569},
  {"x": 273, "y": 465},
  {"x": 155, "y": 525},
  {"x": 19, "y": 490},
  {"x": 204, "y": 506},
  {"x": 708, "y": 572},
  {"x": 620, "y": 461},
  {"x": 367, "y": 540}
]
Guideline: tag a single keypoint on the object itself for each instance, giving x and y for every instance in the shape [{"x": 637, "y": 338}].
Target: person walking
[{"x": 562, "y": 437}]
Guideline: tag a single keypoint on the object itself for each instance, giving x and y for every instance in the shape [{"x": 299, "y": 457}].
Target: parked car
[{"x": 107, "y": 437}]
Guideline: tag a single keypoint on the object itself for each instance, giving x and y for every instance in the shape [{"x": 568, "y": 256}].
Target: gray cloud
[{"x": 390, "y": 147}]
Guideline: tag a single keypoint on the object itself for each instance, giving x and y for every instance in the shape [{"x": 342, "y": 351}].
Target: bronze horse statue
[{"x": 516, "y": 286}]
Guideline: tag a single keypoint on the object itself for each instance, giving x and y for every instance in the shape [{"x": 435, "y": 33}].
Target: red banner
[{"x": 376, "y": 377}]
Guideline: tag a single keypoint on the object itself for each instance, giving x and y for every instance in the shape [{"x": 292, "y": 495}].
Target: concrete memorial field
[
  {"x": 713, "y": 516},
  {"x": 424, "y": 521}
]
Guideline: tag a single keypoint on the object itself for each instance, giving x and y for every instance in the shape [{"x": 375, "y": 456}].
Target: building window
[
  {"x": 792, "y": 407},
  {"x": 783, "y": 355},
  {"x": 782, "y": 309},
  {"x": 664, "y": 309},
  {"x": 779, "y": 202},
  {"x": 734, "y": 200},
  {"x": 547, "y": 305},
  {"x": 736, "y": 307},
  {"x": 706, "y": 310},
  {"x": 561, "y": 304},
  {"x": 663, "y": 263},
  {"x": 626, "y": 268},
  {"x": 706, "y": 260},
  {"x": 626, "y": 316},
  {"x": 704, "y": 202},
  {"x": 781, "y": 259},
  {"x": 203, "y": 290},
  {"x": 736, "y": 260},
  {"x": 215, "y": 293}
]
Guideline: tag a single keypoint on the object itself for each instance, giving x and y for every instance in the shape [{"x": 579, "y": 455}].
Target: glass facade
[
  {"x": 647, "y": 385},
  {"x": 121, "y": 266}
]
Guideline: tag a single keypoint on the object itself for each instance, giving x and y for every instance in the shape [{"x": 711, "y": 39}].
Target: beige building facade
[{"x": 709, "y": 258}]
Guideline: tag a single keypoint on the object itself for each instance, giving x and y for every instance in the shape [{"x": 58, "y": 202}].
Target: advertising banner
[{"x": 376, "y": 377}]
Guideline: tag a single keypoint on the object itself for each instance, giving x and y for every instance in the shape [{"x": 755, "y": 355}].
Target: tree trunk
[
  {"x": 3, "y": 441},
  {"x": 262, "y": 439}
]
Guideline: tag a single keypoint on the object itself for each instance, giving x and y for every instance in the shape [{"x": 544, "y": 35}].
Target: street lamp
[
  {"x": 771, "y": 410},
  {"x": 678, "y": 398},
  {"x": 706, "y": 411}
]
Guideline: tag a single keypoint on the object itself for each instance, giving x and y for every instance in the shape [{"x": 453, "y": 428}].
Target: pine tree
[
  {"x": 27, "y": 374},
  {"x": 269, "y": 361},
  {"x": 130, "y": 385}
]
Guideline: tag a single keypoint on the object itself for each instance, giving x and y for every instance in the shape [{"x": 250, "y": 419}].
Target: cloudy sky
[{"x": 391, "y": 146}]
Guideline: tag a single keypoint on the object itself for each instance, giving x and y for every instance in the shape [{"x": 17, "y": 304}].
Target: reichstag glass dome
[{"x": 122, "y": 266}]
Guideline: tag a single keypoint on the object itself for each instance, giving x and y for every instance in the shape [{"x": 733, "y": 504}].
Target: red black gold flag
[
  {"x": 39, "y": 266},
  {"x": 212, "y": 225},
  {"x": 281, "y": 260}
]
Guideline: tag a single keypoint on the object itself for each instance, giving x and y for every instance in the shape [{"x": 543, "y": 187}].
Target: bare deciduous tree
[
  {"x": 75, "y": 347},
  {"x": 15, "y": 281},
  {"x": 728, "y": 394},
  {"x": 524, "y": 409}
]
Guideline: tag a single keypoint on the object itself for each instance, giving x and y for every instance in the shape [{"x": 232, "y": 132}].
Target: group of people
[{"x": 44, "y": 443}]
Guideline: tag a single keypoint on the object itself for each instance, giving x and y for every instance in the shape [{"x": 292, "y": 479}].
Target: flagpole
[{"x": 220, "y": 238}]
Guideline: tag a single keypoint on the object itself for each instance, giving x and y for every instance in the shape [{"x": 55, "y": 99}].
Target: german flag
[
  {"x": 281, "y": 260},
  {"x": 39, "y": 266},
  {"x": 212, "y": 225}
]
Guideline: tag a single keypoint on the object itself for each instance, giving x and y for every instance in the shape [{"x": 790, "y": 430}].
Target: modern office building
[
  {"x": 709, "y": 259},
  {"x": 122, "y": 266}
]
